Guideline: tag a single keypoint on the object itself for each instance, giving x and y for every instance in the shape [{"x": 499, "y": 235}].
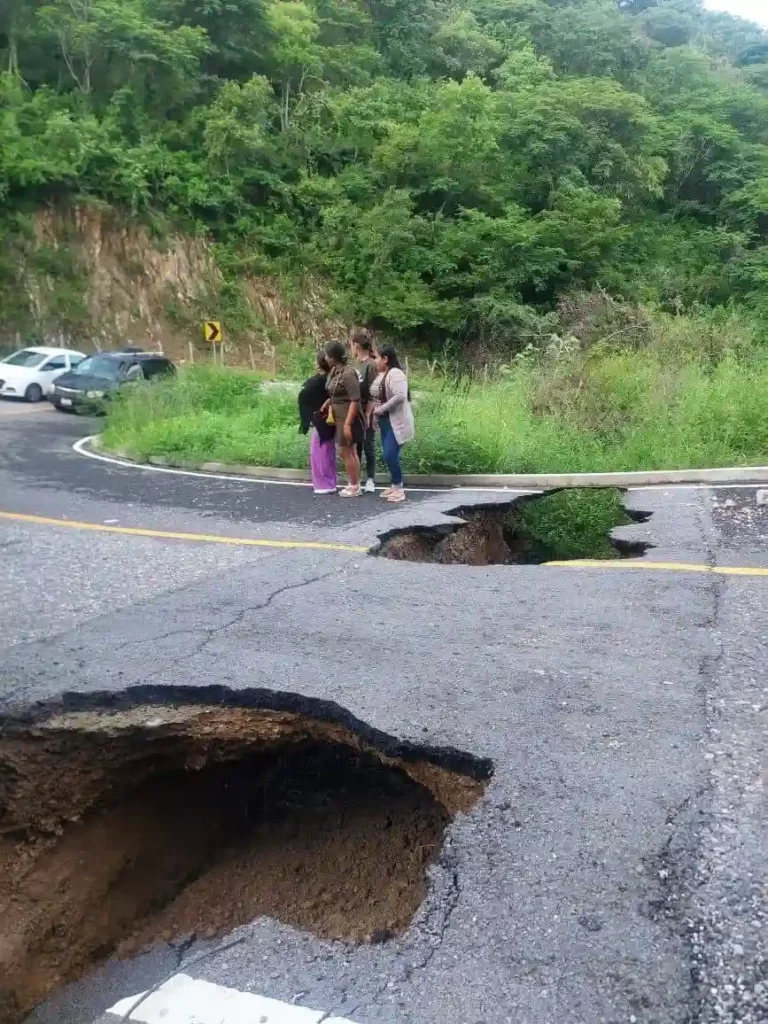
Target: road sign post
[
  {"x": 212, "y": 331},
  {"x": 214, "y": 335}
]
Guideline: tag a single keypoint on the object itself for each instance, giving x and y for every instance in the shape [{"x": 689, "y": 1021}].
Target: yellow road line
[
  {"x": 313, "y": 545},
  {"x": 210, "y": 538},
  {"x": 726, "y": 570}
]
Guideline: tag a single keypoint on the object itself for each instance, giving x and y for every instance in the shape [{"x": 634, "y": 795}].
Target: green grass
[
  {"x": 209, "y": 414},
  {"x": 572, "y": 524},
  {"x": 602, "y": 410}
]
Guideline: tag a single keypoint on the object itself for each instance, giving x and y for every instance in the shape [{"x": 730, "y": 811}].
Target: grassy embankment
[{"x": 687, "y": 401}]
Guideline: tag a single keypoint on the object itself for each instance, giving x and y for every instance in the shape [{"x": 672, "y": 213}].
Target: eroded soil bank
[
  {"x": 119, "y": 828},
  {"x": 532, "y": 529}
]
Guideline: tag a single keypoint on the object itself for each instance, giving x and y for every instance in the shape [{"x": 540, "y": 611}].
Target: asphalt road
[
  {"x": 37, "y": 453},
  {"x": 615, "y": 869}
]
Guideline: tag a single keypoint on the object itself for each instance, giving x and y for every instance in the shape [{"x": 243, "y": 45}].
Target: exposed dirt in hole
[
  {"x": 528, "y": 530},
  {"x": 121, "y": 828}
]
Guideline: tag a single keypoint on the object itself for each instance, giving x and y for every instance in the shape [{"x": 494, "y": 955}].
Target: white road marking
[
  {"x": 186, "y": 1000},
  {"x": 79, "y": 448}
]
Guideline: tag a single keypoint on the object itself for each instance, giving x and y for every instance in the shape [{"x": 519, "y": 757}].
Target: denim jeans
[{"x": 391, "y": 450}]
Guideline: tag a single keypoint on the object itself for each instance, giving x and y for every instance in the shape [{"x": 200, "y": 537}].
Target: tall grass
[
  {"x": 208, "y": 414},
  {"x": 574, "y": 523},
  {"x": 598, "y": 410}
]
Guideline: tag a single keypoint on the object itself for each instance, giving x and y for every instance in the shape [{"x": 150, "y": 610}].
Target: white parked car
[{"x": 30, "y": 372}]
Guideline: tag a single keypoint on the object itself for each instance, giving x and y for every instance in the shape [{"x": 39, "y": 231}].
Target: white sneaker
[
  {"x": 370, "y": 487},
  {"x": 331, "y": 491}
]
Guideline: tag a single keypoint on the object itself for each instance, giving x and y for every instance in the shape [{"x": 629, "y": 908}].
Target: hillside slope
[
  {"x": 86, "y": 276},
  {"x": 452, "y": 168}
]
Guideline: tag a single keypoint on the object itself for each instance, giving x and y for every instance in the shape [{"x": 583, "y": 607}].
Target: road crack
[
  {"x": 210, "y": 633},
  {"x": 434, "y": 931}
]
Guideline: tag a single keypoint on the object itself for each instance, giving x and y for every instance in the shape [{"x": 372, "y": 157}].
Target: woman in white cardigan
[{"x": 394, "y": 416}]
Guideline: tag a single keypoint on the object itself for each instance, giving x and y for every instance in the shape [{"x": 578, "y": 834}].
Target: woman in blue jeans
[{"x": 394, "y": 416}]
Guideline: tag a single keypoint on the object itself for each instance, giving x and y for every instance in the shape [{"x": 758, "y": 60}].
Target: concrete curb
[
  {"x": 513, "y": 481},
  {"x": 535, "y": 481}
]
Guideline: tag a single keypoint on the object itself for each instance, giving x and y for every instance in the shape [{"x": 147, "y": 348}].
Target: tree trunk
[
  {"x": 13, "y": 54},
  {"x": 285, "y": 105}
]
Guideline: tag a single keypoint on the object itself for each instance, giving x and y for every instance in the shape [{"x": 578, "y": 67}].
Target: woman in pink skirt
[{"x": 322, "y": 449}]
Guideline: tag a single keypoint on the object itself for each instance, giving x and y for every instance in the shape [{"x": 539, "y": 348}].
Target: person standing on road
[
  {"x": 363, "y": 350},
  {"x": 342, "y": 407},
  {"x": 392, "y": 411},
  {"x": 322, "y": 449}
]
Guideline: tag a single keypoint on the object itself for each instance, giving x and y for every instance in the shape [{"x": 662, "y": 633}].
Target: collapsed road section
[
  {"x": 529, "y": 530},
  {"x": 146, "y": 817}
]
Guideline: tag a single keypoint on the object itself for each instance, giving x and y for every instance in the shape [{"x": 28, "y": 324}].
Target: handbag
[
  {"x": 326, "y": 430},
  {"x": 330, "y": 419}
]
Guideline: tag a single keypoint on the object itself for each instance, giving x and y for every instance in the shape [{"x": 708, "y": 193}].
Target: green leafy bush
[
  {"x": 453, "y": 168},
  {"x": 574, "y": 523}
]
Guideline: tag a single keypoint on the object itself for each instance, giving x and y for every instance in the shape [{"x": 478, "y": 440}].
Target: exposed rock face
[{"x": 88, "y": 277}]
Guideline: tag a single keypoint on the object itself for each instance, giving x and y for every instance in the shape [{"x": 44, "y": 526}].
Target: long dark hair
[
  {"x": 322, "y": 362},
  {"x": 335, "y": 352},
  {"x": 388, "y": 352},
  {"x": 393, "y": 363}
]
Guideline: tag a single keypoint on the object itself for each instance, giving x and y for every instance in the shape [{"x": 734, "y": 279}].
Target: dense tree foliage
[{"x": 452, "y": 167}]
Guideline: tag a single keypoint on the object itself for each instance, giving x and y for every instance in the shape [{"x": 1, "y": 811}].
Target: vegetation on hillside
[{"x": 455, "y": 169}]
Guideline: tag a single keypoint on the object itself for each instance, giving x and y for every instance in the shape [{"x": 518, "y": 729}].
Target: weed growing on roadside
[
  {"x": 574, "y": 523},
  {"x": 597, "y": 411}
]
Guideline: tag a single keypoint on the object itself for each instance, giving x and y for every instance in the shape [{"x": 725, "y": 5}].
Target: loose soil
[
  {"x": 121, "y": 829},
  {"x": 529, "y": 530}
]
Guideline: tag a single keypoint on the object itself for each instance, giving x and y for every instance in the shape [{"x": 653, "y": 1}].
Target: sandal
[
  {"x": 396, "y": 497},
  {"x": 351, "y": 492},
  {"x": 386, "y": 492}
]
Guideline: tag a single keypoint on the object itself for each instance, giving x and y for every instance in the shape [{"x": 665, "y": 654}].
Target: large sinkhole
[
  {"x": 148, "y": 819},
  {"x": 532, "y": 529}
]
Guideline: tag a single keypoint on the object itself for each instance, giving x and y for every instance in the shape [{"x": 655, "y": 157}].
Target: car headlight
[{"x": 94, "y": 394}]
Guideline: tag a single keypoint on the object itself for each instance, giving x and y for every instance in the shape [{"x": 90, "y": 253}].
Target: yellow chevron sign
[{"x": 212, "y": 331}]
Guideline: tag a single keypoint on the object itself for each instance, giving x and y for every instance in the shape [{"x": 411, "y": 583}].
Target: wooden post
[
  {"x": 191, "y": 352},
  {"x": 253, "y": 360}
]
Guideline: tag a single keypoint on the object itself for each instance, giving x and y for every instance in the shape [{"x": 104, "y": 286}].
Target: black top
[
  {"x": 367, "y": 372},
  {"x": 311, "y": 398}
]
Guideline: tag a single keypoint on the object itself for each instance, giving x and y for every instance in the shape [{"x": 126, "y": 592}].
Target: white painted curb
[{"x": 513, "y": 481}]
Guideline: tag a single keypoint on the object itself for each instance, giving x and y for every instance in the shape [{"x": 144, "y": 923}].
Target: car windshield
[
  {"x": 26, "y": 357},
  {"x": 99, "y": 366}
]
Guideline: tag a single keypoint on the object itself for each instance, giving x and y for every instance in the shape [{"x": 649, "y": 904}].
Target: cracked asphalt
[{"x": 614, "y": 871}]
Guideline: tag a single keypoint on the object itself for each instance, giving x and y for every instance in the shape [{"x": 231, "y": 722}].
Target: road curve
[{"x": 611, "y": 871}]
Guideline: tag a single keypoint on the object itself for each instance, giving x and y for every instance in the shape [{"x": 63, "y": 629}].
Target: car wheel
[{"x": 34, "y": 393}]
